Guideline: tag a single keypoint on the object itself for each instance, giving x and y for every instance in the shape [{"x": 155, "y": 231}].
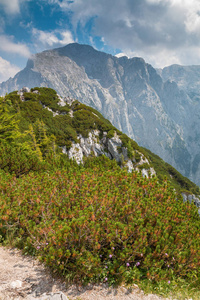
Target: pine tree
[
  {"x": 8, "y": 124},
  {"x": 32, "y": 144},
  {"x": 46, "y": 143},
  {"x": 38, "y": 141}
]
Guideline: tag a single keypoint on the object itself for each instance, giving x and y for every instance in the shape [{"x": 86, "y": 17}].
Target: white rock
[
  {"x": 76, "y": 152},
  {"x": 145, "y": 173},
  {"x": 152, "y": 171},
  {"x": 113, "y": 145},
  {"x": 71, "y": 113},
  {"x": 61, "y": 101},
  {"x": 129, "y": 165},
  {"x": 16, "y": 284}
]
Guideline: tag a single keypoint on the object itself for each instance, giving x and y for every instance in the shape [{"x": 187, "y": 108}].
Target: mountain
[
  {"x": 48, "y": 121},
  {"x": 157, "y": 114},
  {"x": 186, "y": 77}
]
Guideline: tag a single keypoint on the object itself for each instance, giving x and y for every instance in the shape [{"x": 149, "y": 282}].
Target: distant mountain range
[{"x": 160, "y": 109}]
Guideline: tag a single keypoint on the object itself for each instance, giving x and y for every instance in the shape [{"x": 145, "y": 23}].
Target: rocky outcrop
[
  {"x": 192, "y": 199},
  {"x": 156, "y": 113},
  {"x": 22, "y": 91},
  {"x": 93, "y": 145},
  {"x": 111, "y": 147}
]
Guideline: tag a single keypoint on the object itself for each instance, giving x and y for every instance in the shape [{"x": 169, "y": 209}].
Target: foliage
[
  {"x": 94, "y": 222},
  {"x": 15, "y": 159},
  {"x": 163, "y": 169},
  {"x": 8, "y": 123},
  {"x": 102, "y": 224},
  {"x": 130, "y": 151}
]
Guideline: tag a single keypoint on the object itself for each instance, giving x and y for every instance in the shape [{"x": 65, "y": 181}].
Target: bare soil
[{"x": 23, "y": 277}]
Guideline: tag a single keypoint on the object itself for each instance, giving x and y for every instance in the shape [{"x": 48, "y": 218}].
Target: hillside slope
[
  {"x": 128, "y": 92},
  {"x": 102, "y": 216},
  {"x": 81, "y": 131}
]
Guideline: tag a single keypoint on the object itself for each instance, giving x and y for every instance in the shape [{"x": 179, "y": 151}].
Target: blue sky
[{"x": 163, "y": 32}]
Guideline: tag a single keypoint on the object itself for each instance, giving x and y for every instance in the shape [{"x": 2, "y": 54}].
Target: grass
[{"x": 179, "y": 290}]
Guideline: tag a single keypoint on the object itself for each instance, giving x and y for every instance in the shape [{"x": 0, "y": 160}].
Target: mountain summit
[{"x": 129, "y": 92}]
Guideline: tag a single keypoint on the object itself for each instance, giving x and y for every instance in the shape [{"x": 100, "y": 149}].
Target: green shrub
[
  {"x": 144, "y": 166},
  {"x": 137, "y": 157},
  {"x": 30, "y": 97},
  {"x": 14, "y": 159},
  {"x": 96, "y": 223},
  {"x": 110, "y": 134}
]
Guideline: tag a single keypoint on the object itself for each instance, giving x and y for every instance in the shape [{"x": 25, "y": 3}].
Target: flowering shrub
[{"x": 97, "y": 224}]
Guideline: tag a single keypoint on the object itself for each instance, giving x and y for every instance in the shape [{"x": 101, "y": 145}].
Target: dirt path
[{"x": 22, "y": 277}]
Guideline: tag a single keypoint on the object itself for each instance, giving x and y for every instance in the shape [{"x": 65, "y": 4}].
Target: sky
[{"x": 163, "y": 32}]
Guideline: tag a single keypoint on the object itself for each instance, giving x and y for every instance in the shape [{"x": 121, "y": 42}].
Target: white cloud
[
  {"x": 66, "y": 37},
  {"x": 7, "y": 45},
  {"x": 121, "y": 54},
  {"x": 7, "y": 69},
  {"x": 51, "y": 39},
  {"x": 161, "y": 31},
  {"x": 153, "y": 1},
  {"x": 12, "y": 6},
  {"x": 163, "y": 59}
]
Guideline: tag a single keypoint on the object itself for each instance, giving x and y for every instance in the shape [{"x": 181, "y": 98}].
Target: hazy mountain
[
  {"x": 186, "y": 77},
  {"x": 129, "y": 92}
]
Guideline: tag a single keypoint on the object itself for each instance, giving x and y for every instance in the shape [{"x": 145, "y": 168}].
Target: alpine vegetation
[{"x": 90, "y": 203}]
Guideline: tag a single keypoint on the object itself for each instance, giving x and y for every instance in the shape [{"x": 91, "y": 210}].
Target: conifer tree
[
  {"x": 32, "y": 144},
  {"x": 46, "y": 143},
  {"x": 9, "y": 130}
]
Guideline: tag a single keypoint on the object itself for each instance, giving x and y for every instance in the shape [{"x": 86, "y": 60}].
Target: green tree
[
  {"x": 8, "y": 123},
  {"x": 38, "y": 140},
  {"x": 31, "y": 144}
]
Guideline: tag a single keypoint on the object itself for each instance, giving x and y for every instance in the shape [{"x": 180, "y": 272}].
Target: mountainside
[
  {"x": 186, "y": 77},
  {"x": 49, "y": 122},
  {"x": 90, "y": 203},
  {"x": 129, "y": 92}
]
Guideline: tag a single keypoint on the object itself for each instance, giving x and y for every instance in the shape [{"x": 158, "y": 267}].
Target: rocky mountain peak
[{"x": 151, "y": 108}]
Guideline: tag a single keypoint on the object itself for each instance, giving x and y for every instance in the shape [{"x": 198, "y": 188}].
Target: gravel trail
[{"x": 23, "y": 277}]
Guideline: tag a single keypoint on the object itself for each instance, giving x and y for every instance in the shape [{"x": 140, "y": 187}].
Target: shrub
[
  {"x": 14, "y": 159},
  {"x": 95, "y": 223}
]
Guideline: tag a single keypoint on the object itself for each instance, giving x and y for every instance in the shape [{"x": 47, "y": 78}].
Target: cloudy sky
[{"x": 163, "y": 32}]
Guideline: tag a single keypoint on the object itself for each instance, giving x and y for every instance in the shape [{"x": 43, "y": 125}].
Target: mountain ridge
[
  {"x": 81, "y": 132},
  {"x": 128, "y": 92}
]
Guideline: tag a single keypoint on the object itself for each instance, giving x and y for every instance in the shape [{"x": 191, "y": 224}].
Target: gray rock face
[
  {"x": 111, "y": 147},
  {"x": 128, "y": 92},
  {"x": 192, "y": 199},
  {"x": 187, "y": 78}
]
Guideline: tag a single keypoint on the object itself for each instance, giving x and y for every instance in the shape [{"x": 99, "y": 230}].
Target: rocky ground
[{"x": 23, "y": 277}]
